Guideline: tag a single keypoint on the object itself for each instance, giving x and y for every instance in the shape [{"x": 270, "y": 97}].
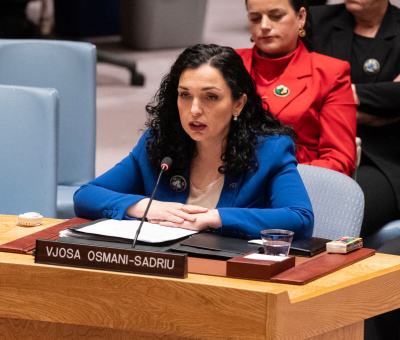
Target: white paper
[
  {"x": 264, "y": 257},
  {"x": 150, "y": 232},
  {"x": 256, "y": 241}
]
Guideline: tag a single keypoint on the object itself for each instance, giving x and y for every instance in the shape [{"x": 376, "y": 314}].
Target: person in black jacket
[
  {"x": 367, "y": 34},
  {"x": 13, "y": 20}
]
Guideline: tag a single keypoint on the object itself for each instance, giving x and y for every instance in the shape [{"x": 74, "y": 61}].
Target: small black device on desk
[{"x": 308, "y": 247}]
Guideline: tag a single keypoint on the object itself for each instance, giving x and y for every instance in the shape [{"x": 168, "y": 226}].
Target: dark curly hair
[
  {"x": 167, "y": 137},
  {"x": 297, "y": 5}
]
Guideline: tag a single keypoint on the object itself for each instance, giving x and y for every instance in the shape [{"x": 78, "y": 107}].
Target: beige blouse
[{"x": 207, "y": 197}]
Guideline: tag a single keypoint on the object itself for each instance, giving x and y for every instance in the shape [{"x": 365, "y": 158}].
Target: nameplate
[
  {"x": 258, "y": 266},
  {"x": 114, "y": 259}
]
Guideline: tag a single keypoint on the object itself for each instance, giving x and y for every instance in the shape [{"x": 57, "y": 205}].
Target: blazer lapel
[
  {"x": 295, "y": 78},
  {"x": 387, "y": 32},
  {"x": 276, "y": 103},
  {"x": 230, "y": 190},
  {"x": 342, "y": 36}
]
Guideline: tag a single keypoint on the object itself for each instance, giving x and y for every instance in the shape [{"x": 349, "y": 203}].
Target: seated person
[
  {"x": 308, "y": 91},
  {"x": 13, "y": 20},
  {"x": 234, "y": 168},
  {"x": 367, "y": 34}
]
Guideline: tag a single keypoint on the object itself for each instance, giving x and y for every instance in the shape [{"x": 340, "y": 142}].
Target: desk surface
[{"x": 83, "y": 301}]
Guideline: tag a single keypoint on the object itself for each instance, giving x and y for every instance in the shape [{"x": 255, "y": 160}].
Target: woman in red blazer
[{"x": 309, "y": 91}]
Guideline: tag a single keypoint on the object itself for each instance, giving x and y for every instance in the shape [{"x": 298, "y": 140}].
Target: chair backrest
[
  {"x": 337, "y": 200},
  {"x": 28, "y": 150},
  {"x": 70, "y": 68}
]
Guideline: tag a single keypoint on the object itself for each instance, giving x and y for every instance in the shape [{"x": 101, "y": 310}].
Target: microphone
[
  {"x": 165, "y": 166},
  {"x": 166, "y": 163}
]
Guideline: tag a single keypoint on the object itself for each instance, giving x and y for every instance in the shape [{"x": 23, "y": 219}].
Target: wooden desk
[{"x": 46, "y": 302}]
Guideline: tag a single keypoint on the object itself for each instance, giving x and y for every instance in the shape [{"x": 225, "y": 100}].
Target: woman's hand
[
  {"x": 166, "y": 211},
  {"x": 204, "y": 220}
]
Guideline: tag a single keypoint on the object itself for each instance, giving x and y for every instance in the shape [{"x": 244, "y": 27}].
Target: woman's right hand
[{"x": 165, "y": 211}]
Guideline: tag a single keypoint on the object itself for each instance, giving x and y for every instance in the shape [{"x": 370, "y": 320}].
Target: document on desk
[{"x": 115, "y": 229}]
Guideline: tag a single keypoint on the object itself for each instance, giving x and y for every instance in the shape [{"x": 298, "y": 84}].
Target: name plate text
[{"x": 114, "y": 259}]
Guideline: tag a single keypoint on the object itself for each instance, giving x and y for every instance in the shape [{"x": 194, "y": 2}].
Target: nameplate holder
[
  {"x": 258, "y": 266},
  {"x": 111, "y": 258}
]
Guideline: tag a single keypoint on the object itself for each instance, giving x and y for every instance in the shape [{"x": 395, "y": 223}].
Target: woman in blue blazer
[{"x": 234, "y": 166}]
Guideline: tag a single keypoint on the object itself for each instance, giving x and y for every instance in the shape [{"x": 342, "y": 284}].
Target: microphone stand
[{"x": 163, "y": 169}]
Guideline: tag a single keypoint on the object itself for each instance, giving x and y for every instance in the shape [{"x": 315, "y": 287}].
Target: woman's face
[
  {"x": 359, "y": 6},
  {"x": 274, "y": 25},
  {"x": 205, "y": 104}
]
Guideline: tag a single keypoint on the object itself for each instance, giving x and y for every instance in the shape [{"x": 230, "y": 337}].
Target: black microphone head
[{"x": 166, "y": 163}]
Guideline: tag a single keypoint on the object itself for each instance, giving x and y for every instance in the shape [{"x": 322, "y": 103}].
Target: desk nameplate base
[
  {"x": 244, "y": 267},
  {"x": 114, "y": 259}
]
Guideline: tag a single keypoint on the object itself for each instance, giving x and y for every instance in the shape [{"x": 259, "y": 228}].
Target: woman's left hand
[{"x": 209, "y": 219}]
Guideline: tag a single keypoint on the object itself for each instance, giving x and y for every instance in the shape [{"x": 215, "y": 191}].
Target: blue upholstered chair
[
  {"x": 28, "y": 141},
  {"x": 69, "y": 67},
  {"x": 337, "y": 200}
]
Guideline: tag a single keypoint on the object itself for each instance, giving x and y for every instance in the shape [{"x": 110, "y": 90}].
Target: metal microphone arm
[{"x": 164, "y": 167}]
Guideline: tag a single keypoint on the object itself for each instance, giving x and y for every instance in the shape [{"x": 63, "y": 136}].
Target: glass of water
[{"x": 277, "y": 242}]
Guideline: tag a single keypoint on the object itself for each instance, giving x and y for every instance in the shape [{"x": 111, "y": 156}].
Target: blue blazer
[{"x": 272, "y": 196}]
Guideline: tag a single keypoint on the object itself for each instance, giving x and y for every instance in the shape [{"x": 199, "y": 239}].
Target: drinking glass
[{"x": 277, "y": 242}]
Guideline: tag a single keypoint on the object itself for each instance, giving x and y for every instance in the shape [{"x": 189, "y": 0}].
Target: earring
[
  {"x": 251, "y": 39},
  {"x": 302, "y": 32},
  {"x": 235, "y": 118}
]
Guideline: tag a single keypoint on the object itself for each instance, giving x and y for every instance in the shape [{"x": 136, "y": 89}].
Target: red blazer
[{"x": 320, "y": 107}]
